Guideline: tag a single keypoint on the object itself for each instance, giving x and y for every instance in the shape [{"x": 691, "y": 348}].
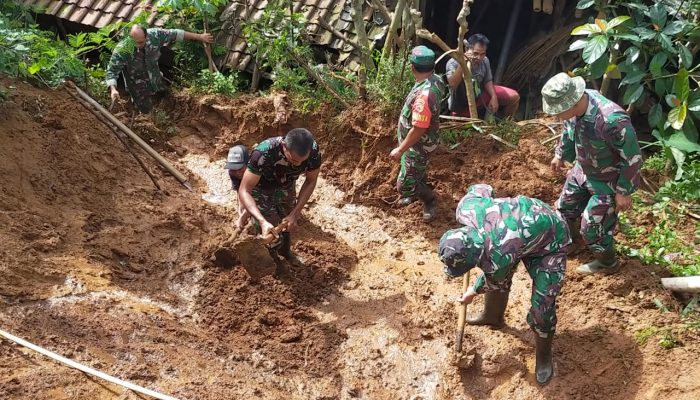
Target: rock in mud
[{"x": 293, "y": 334}]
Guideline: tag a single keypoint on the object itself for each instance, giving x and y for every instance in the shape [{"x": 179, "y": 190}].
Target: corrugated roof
[
  {"x": 336, "y": 12},
  {"x": 97, "y": 13}
]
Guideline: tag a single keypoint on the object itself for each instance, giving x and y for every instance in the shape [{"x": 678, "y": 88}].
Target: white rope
[{"x": 84, "y": 368}]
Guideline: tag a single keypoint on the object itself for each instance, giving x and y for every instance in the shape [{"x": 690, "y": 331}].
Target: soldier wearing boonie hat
[
  {"x": 236, "y": 162},
  {"x": 599, "y": 139},
  {"x": 496, "y": 234},
  {"x": 418, "y": 132}
]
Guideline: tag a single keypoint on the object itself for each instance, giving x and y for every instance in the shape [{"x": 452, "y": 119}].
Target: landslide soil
[{"x": 99, "y": 266}]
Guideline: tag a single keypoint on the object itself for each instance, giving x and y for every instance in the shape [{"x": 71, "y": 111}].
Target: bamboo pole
[
  {"x": 115, "y": 130},
  {"x": 84, "y": 368},
  {"x": 148, "y": 149}
]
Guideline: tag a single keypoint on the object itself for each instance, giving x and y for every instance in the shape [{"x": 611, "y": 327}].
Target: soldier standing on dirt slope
[
  {"x": 496, "y": 234},
  {"x": 137, "y": 57},
  {"x": 268, "y": 189},
  {"x": 598, "y": 136},
  {"x": 235, "y": 164},
  {"x": 418, "y": 132}
]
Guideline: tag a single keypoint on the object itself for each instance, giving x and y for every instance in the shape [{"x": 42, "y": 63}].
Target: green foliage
[
  {"x": 661, "y": 244},
  {"x": 452, "y": 137},
  {"x": 643, "y": 335},
  {"x": 216, "y": 83},
  {"x": 668, "y": 341},
  {"x": 391, "y": 83},
  {"x": 657, "y": 162},
  {"x": 648, "y": 50},
  {"x": 686, "y": 189}
]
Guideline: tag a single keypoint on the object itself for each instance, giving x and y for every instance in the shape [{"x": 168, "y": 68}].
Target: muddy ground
[{"x": 99, "y": 266}]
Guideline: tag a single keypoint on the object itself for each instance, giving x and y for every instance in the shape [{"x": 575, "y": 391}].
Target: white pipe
[
  {"x": 84, "y": 368},
  {"x": 689, "y": 284}
]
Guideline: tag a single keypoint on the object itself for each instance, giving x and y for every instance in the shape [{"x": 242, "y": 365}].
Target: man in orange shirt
[{"x": 418, "y": 132}]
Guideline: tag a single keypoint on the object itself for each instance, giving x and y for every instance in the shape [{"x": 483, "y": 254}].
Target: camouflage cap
[
  {"x": 561, "y": 92},
  {"x": 421, "y": 55},
  {"x": 458, "y": 252}
]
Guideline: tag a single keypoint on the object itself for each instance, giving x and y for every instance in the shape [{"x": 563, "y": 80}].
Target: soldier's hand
[
  {"x": 622, "y": 202},
  {"x": 557, "y": 164},
  {"x": 206, "y": 37},
  {"x": 467, "y": 297},
  {"x": 292, "y": 222},
  {"x": 267, "y": 228},
  {"x": 396, "y": 153},
  {"x": 114, "y": 94}
]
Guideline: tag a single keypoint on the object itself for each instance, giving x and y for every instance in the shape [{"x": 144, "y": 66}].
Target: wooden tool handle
[
  {"x": 278, "y": 229},
  {"x": 461, "y": 315}
]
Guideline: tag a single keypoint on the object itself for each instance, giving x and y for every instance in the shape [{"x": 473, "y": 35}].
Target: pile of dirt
[{"x": 98, "y": 265}]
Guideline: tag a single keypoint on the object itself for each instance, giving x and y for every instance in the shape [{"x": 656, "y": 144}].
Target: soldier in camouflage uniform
[
  {"x": 599, "y": 138},
  {"x": 268, "y": 190},
  {"x": 418, "y": 132},
  {"x": 496, "y": 234},
  {"x": 137, "y": 57}
]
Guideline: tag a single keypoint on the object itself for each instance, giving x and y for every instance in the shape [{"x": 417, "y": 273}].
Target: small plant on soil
[
  {"x": 643, "y": 335},
  {"x": 668, "y": 341}
]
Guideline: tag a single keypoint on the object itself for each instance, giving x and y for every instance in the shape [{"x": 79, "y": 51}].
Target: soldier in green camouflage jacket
[
  {"x": 418, "y": 132},
  {"x": 496, "y": 234},
  {"x": 598, "y": 136},
  {"x": 137, "y": 57}
]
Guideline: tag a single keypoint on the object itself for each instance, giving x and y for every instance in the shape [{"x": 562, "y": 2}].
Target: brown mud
[{"x": 98, "y": 266}]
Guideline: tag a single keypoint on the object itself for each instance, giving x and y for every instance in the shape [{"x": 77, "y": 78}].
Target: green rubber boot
[
  {"x": 494, "y": 310},
  {"x": 605, "y": 263}
]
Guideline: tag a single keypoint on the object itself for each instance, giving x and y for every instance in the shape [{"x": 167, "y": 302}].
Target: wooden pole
[
  {"x": 148, "y": 149},
  {"x": 461, "y": 316}
]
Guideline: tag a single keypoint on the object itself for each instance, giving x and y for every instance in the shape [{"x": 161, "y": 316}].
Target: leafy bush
[
  {"x": 392, "y": 82},
  {"x": 648, "y": 49},
  {"x": 687, "y": 188},
  {"x": 216, "y": 83}
]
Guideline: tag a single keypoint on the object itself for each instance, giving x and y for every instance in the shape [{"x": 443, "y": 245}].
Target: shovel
[
  {"x": 461, "y": 316},
  {"x": 251, "y": 252}
]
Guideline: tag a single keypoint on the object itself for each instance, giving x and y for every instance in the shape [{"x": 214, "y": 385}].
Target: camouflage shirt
[
  {"x": 267, "y": 160},
  {"x": 140, "y": 66},
  {"x": 507, "y": 229},
  {"x": 422, "y": 110},
  {"x": 604, "y": 143}
]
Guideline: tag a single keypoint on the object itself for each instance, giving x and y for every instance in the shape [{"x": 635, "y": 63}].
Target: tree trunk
[{"x": 393, "y": 27}]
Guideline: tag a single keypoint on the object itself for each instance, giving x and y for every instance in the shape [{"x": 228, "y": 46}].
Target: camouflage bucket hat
[
  {"x": 561, "y": 92},
  {"x": 458, "y": 252},
  {"x": 421, "y": 55}
]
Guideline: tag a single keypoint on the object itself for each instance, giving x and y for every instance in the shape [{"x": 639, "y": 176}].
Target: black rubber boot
[
  {"x": 494, "y": 310},
  {"x": 280, "y": 268},
  {"x": 426, "y": 195},
  {"x": 544, "y": 369},
  {"x": 577, "y": 242},
  {"x": 285, "y": 251},
  {"x": 605, "y": 263}
]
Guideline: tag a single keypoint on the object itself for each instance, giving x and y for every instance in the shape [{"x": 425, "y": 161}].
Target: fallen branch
[
  {"x": 455, "y": 118},
  {"x": 85, "y": 369},
  {"x": 305, "y": 65},
  {"x": 553, "y": 138}
]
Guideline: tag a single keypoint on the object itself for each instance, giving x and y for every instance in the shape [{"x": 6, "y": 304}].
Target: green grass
[{"x": 643, "y": 335}]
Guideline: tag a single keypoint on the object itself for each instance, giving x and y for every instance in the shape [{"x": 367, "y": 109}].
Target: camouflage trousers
[
  {"x": 275, "y": 203},
  {"x": 547, "y": 273},
  {"x": 414, "y": 172},
  {"x": 594, "y": 202},
  {"x": 142, "y": 96}
]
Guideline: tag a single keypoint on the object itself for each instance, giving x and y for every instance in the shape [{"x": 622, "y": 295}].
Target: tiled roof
[
  {"x": 97, "y": 13},
  {"x": 336, "y": 12}
]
